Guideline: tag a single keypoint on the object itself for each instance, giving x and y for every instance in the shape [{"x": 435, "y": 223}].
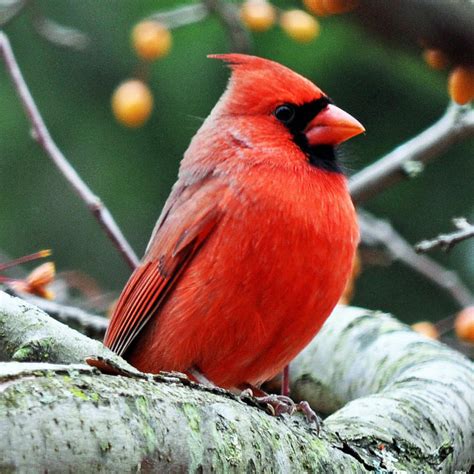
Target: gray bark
[{"x": 396, "y": 401}]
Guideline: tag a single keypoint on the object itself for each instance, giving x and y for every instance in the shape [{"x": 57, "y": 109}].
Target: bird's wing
[{"x": 189, "y": 220}]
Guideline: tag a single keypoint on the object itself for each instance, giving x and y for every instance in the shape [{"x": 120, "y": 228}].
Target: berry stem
[
  {"x": 25, "y": 259},
  {"x": 44, "y": 139}
]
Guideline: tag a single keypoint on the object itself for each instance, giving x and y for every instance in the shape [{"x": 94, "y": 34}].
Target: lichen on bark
[{"x": 395, "y": 400}]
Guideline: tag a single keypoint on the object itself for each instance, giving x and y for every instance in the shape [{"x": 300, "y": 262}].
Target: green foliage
[{"x": 391, "y": 91}]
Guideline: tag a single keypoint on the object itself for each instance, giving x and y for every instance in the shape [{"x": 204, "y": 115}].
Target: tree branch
[
  {"x": 91, "y": 325},
  {"x": 44, "y": 139},
  {"x": 388, "y": 383},
  {"x": 227, "y": 13},
  {"x": 181, "y": 16},
  {"x": 448, "y": 241},
  {"x": 407, "y": 160},
  {"x": 10, "y": 10},
  {"x": 229, "y": 17},
  {"x": 411, "y": 407},
  {"x": 376, "y": 231},
  {"x": 29, "y": 334}
]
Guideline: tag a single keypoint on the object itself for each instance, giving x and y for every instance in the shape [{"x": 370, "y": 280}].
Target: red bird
[{"x": 255, "y": 243}]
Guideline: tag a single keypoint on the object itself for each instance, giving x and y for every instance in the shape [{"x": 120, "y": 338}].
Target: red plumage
[{"x": 256, "y": 241}]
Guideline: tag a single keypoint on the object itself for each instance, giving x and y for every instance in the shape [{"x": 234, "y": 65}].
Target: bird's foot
[{"x": 277, "y": 405}]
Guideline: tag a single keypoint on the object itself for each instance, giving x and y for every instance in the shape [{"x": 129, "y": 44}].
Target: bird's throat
[{"x": 319, "y": 156}]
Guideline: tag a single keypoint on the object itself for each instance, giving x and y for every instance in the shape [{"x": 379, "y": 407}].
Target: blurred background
[{"x": 368, "y": 60}]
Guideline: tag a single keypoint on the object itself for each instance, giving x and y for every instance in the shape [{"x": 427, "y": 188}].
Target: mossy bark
[
  {"x": 397, "y": 402},
  {"x": 28, "y": 334}
]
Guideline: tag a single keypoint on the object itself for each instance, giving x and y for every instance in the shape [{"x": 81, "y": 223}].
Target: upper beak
[{"x": 332, "y": 126}]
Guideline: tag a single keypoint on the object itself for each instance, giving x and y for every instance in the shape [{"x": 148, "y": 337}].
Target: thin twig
[
  {"x": 378, "y": 232},
  {"x": 407, "y": 160},
  {"x": 181, "y": 16},
  {"x": 42, "y": 136},
  {"x": 447, "y": 241},
  {"x": 25, "y": 259},
  {"x": 10, "y": 10},
  {"x": 60, "y": 35},
  {"x": 228, "y": 15}
]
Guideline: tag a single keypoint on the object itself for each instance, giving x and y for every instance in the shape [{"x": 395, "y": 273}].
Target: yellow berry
[
  {"x": 426, "y": 328},
  {"x": 461, "y": 84},
  {"x": 435, "y": 58},
  {"x": 316, "y": 7},
  {"x": 151, "y": 40},
  {"x": 299, "y": 25},
  {"x": 464, "y": 324},
  {"x": 132, "y": 103},
  {"x": 335, "y": 7},
  {"x": 257, "y": 15}
]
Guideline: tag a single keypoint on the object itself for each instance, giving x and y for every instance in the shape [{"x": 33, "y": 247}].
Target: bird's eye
[{"x": 285, "y": 113}]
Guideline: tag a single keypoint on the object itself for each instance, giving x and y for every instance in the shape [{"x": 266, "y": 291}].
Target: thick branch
[
  {"x": 389, "y": 384},
  {"x": 91, "y": 325},
  {"x": 110, "y": 424},
  {"x": 43, "y": 137},
  {"x": 29, "y": 334},
  {"x": 407, "y": 160},
  {"x": 411, "y": 408}
]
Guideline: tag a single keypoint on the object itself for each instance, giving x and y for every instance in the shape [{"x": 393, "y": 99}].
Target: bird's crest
[{"x": 263, "y": 79}]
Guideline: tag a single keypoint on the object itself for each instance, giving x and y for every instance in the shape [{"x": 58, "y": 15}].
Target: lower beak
[{"x": 332, "y": 126}]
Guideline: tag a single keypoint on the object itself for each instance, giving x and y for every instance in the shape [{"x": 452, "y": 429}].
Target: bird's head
[{"x": 276, "y": 98}]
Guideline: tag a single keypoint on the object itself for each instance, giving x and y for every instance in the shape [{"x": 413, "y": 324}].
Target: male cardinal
[{"x": 255, "y": 243}]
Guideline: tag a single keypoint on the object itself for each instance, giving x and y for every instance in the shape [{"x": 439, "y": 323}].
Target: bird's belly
[{"x": 249, "y": 302}]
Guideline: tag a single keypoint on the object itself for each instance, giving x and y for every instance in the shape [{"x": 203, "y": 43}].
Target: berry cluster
[
  {"x": 261, "y": 15},
  {"x": 132, "y": 101},
  {"x": 463, "y": 326},
  {"x": 461, "y": 77}
]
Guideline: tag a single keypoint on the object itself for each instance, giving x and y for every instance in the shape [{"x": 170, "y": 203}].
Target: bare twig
[
  {"x": 25, "y": 259},
  {"x": 407, "y": 160},
  {"x": 378, "y": 232},
  {"x": 42, "y": 136},
  {"x": 60, "y": 35},
  {"x": 181, "y": 16},
  {"x": 447, "y": 241},
  {"x": 10, "y": 9},
  {"x": 229, "y": 17},
  {"x": 226, "y": 12}
]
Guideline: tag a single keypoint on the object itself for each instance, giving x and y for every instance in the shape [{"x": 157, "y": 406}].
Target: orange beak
[{"x": 332, "y": 126}]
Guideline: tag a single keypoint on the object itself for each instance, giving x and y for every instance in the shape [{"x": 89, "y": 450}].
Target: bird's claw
[
  {"x": 277, "y": 404},
  {"x": 310, "y": 414}
]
